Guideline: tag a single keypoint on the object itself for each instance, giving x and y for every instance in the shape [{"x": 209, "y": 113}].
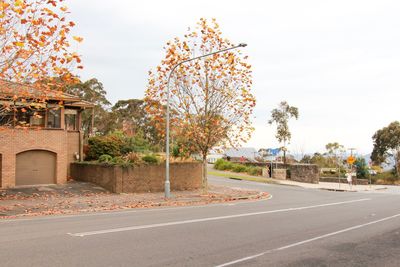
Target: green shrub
[
  {"x": 239, "y": 168},
  {"x": 152, "y": 159},
  {"x": 223, "y": 165},
  {"x": 218, "y": 163},
  {"x": 387, "y": 177},
  {"x": 135, "y": 143},
  {"x": 133, "y": 157},
  {"x": 118, "y": 161},
  {"x": 105, "y": 158},
  {"x": 254, "y": 170},
  {"x": 115, "y": 145},
  {"x": 101, "y": 145}
]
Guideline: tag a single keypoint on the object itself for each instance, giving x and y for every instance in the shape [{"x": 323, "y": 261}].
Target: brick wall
[
  {"x": 73, "y": 147},
  {"x": 136, "y": 179},
  {"x": 14, "y": 141}
]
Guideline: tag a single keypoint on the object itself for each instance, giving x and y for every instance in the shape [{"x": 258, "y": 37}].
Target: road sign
[{"x": 351, "y": 160}]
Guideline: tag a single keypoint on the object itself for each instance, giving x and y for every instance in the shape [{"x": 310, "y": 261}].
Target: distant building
[
  {"x": 247, "y": 154},
  {"x": 212, "y": 158}
]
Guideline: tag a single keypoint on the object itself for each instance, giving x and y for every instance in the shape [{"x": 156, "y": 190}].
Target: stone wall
[
  {"x": 138, "y": 179},
  {"x": 305, "y": 173},
  {"x": 279, "y": 174}
]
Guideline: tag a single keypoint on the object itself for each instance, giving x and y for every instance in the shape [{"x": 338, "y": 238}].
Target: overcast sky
[{"x": 337, "y": 61}]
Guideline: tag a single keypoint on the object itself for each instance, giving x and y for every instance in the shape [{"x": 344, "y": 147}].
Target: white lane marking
[
  {"x": 307, "y": 241},
  {"x": 130, "y": 210},
  {"x": 139, "y": 227}
]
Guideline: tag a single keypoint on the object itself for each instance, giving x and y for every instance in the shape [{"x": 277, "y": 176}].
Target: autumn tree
[
  {"x": 387, "y": 145},
  {"x": 34, "y": 45},
  {"x": 210, "y": 97},
  {"x": 281, "y": 116}
]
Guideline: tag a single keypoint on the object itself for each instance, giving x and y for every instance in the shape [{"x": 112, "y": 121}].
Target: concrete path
[{"x": 334, "y": 186}]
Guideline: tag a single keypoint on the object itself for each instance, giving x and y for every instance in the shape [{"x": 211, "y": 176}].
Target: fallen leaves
[{"x": 72, "y": 201}]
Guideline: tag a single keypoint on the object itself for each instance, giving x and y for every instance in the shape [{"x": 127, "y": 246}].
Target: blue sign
[{"x": 273, "y": 151}]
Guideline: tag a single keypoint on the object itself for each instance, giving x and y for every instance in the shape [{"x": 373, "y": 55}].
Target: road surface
[{"x": 296, "y": 227}]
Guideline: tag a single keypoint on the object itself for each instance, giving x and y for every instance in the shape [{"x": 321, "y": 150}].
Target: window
[
  {"x": 54, "y": 118},
  {"x": 71, "y": 119},
  {"x": 37, "y": 118},
  {"x": 27, "y": 117},
  {"x": 6, "y": 116}
]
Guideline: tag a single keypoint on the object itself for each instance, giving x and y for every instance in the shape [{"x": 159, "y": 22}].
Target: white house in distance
[
  {"x": 214, "y": 155},
  {"x": 234, "y": 154}
]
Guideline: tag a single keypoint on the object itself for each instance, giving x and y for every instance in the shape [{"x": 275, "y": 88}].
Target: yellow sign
[{"x": 351, "y": 160}]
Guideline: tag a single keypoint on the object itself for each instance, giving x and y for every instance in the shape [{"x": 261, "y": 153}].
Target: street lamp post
[{"x": 167, "y": 187}]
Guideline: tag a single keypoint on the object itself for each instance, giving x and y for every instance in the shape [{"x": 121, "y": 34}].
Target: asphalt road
[{"x": 296, "y": 227}]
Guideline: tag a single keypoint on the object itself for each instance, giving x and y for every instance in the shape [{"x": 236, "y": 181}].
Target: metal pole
[
  {"x": 167, "y": 186},
  {"x": 339, "y": 169}
]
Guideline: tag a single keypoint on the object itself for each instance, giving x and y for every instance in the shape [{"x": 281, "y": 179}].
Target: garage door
[{"x": 35, "y": 167}]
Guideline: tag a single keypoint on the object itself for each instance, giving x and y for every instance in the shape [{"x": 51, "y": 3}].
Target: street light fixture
[{"x": 167, "y": 187}]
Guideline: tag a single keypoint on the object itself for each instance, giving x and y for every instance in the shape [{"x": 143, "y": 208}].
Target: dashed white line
[
  {"x": 130, "y": 210},
  {"x": 139, "y": 227},
  {"x": 306, "y": 241}
]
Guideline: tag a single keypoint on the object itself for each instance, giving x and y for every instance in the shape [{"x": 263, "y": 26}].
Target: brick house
[{"x": 38, "y": 139}]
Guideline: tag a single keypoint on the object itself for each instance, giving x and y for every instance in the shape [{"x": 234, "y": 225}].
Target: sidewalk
[
  {"x": 334, "y": 186},
  {"x": 77, "y": 197},
  {"x": 321, "y": 185}
]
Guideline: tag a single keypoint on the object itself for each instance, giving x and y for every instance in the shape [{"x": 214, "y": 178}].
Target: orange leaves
[
  {"x": 19, "y": 44},
  {"x": 231, "y": 59},
  {"x": 210, "y": 101},
  {"x": 40, "y": 47},
  {"x": 18, "y": 3},
  {"x": 185, "y": 46},
  {"x": 77, "y": 38}
]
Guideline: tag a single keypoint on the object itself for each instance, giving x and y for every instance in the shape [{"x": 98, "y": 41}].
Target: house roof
[
  {"x": 10, "y": 89},
  {"x": 246, "y": 152}
]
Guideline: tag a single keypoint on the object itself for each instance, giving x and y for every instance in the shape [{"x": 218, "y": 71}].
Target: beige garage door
[{"x": 35, "y": 167}]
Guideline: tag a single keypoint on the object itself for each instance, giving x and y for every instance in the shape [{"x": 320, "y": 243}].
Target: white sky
[{"x": 338, "y": 61}]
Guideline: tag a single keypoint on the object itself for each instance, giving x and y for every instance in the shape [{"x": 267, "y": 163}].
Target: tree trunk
[
  {"x": 204, "y": 182},
  {"x": 284, "y": 156}
]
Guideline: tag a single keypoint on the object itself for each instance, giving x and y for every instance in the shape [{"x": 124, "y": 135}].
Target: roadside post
[{"x": 350, "y": 161}]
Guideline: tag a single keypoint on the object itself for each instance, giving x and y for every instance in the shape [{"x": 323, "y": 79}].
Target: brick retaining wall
[{"x": 139, "y": 179}]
